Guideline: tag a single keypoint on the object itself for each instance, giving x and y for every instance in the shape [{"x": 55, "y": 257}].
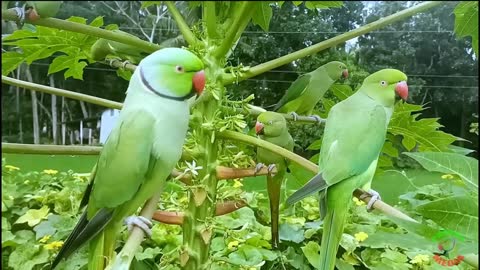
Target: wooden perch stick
[{"x": 176, "y": 218}]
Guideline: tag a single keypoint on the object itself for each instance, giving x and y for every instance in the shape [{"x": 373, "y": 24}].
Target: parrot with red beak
[
  {"x": 272, "y": 127},
  {"x": 306, "y": 91},
  {"x": 354, "y": 135},
  {"x": 139, "y": 154}
]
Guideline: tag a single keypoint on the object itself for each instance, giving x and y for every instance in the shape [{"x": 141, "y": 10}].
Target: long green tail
[
  {"x": 102, "y": 247},
  {"x": 274, "y": 185},
  {"x": 339, "y": 198}
]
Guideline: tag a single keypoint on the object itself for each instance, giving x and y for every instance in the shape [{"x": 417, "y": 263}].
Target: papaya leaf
[
  {"x": 44, "y": 42},
  {"x": 262, "y": 15},
  {"x": 341, "y": 91},
  {"x": 424, "y": 132},
  {"x": 466, "y": 21},
  {"x": 465, "y": 167},
  {"x": 322, "y": 4},
  {"x": 458, "y": 213}
]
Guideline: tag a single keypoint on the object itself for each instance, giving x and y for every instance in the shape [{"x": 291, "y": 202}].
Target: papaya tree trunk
[{"x": 54, "y": 113}]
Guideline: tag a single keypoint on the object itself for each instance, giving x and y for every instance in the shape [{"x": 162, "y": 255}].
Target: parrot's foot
[
  {"x": 270, "y": 169},
  {"x": 141, "y": 222},
  {"x": 125, "y": 63},
  {"x": 294, "y": 115},
  {"x": 316, "y": 118},
  {"x": 110, "y": 60},
  {"x": 258, "y": 167},
  {"x": 375, "y": 197}
]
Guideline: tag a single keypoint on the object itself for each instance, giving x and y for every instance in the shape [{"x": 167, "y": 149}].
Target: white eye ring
[
  {"x": 383, "y": 83},
  {"x": 179, "y": 69}
]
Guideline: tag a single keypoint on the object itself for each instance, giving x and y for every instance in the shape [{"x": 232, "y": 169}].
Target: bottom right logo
[{"x": 447, "y": 245}]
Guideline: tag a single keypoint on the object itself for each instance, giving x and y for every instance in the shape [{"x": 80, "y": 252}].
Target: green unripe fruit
[{"x": 44, "y": 9}]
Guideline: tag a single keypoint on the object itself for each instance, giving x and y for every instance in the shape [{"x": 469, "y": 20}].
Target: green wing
[
  {"x": 354, "y": 135},
  {"x": 295, "y": 90},
  {"x": 124, "y": 160}
]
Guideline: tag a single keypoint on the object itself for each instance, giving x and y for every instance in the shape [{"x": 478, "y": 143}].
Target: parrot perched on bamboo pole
[
  {"x": 272, "y": 127},
  {"x": 354, "y": 135},
  {"x": 308, "y": 89},
  {"x": 140, "y": 152}
]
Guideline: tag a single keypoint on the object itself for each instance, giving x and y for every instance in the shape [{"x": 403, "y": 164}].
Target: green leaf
[
  {"x": 451, "y": 163},
  {"x": 341, "y": 91},
  {"x": 124, "y": 74},
  {"x": 460, "y": 150},
  {"x": 312, "y": 252},
  {"x": 466, "y": 21},
  {"x": 34, "y": 216},
  {"x": 10, "y": 61},
  {"x": 343, "y": 265},
  {"x": 291, "y": 232},
  {"x": 146, "y": 4},
  {"x": 425, "y": 131},
  {"x": 27, "y": 256},
  {"x": 458, "y": 213},
  {"x": 246, "y": 255},
  {"x": 322, "y": 4},
  {"x": 148, "y": 253},
  {"x": 73, "y": 65},
  {"x": 262, "y": 15},
  {"x": 382, "y": 238}
]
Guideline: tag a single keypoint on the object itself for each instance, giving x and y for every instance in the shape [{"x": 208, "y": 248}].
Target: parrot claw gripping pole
[
  {"x": 316, "y": 118},
  {"x": 294, "y": 115},
  {"x": 270, "y": 169},
  {"x": 375, "y": 197},
  {"x": 258, "y": 167},
  {"x": 125, "y": 63},
  {"x": 141, "y": 222}
]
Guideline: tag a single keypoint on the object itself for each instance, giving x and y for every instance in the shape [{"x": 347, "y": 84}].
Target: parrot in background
[
  {"x": 307, "y": 90},
  {"x": 104, "y": 47},
  {"x": 272, "y": 127},
  {"x": 355, "y": 132},
  {"x": 140, "y": 152}
]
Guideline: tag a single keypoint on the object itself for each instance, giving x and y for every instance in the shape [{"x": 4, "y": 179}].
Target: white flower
[{"x": 192, "y": 168}]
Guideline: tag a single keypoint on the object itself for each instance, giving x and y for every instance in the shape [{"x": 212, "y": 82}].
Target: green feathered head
[
  {"x": 336, "y": 70},
  {"x": 384, "y": 84},
  {"x": 172, "y": 73},
  {"x": 270, "y": 124}
]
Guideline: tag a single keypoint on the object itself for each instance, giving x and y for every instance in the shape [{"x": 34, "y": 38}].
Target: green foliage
[
  {"x": 44, "y": 42},
  {"x": 466, "y": 21}
]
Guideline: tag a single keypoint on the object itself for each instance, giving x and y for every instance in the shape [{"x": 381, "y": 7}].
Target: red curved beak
[
  {"x": 259, "y": 128},
  {"x": 199, "y": 81},
  {"x": 345, "y": 73},
  {"x": 402, "y": 89}
]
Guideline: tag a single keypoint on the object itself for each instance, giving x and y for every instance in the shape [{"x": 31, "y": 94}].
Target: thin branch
[
  {"x": 182, "y": 25},
  {"x": 259, "y": 69},
  {"x": 125, "y": 257},
  {"x": 87, "y": 30},
  {"x": 244, "y": 14},
  {"x": 176, "y": 218},
  {"x": 132, "y": 20},
  {"x": 60, "y": 92},
  {"x": 383, "y": 207}
]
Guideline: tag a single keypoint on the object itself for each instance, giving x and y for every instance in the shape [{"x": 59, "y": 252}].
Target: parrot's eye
[
  {"x": 383, "y": 83},
  {"x": 270, "y": 122},
  {"x": 179, "y": 69}
]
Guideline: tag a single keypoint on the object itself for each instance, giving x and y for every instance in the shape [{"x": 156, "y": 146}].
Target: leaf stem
[
  {"x": 60, "y": 92},
  {"x": 244, "y": 14},
  {"x": 264, "y": 67},
  {"x": 88, "y": 30},
  {"x": 182, "y": 25},
  {"x": 210, "y": 18}
]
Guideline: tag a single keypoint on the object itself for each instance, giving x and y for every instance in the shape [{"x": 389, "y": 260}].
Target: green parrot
[
  {"x": 306, "y": 91},
  {"x": 104, "y": 47},
  {"x": 272, "y": 127},
  {"x": 354, "y": 134},
  {"x": 140, "y": 152}
]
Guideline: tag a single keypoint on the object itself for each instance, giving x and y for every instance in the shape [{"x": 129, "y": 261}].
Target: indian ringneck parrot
[
  {"x": 272, "y": 127},
  {"x": 140, "y": 152},
  {"x": 306, "y": 91},
  {"x": 354, "y": 134}
]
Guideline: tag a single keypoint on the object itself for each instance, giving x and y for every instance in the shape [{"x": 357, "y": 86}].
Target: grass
[{"x": 30, "y": 162}]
